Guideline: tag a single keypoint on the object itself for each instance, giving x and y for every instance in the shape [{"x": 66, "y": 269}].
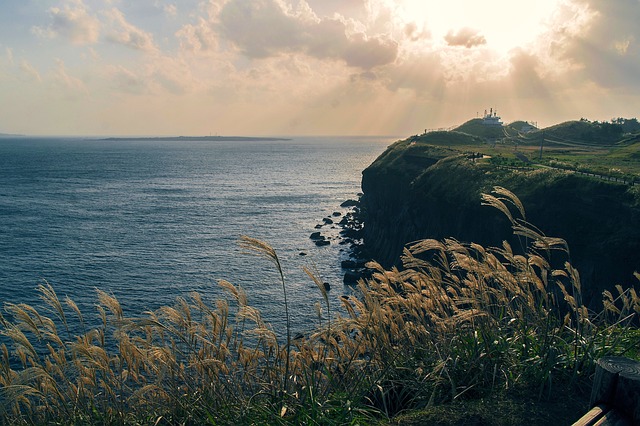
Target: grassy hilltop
[{"x": 608, "y": 148}]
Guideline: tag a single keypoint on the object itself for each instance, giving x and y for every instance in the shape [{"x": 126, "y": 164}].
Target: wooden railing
[{"x": 615, "y": 397}]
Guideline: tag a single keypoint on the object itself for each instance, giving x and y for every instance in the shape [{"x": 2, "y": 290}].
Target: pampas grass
[{"x": 458, "y": 321}]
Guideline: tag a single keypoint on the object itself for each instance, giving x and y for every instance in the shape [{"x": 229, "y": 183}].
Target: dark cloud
[
  {"x": 367, "y": 53},
  {"x": 467, "y": 37},
  {"x": 608, "y": 52},
  {"x": 259, "y": 28},
  {"x": 325, "y": 39},
  {"x": 264, "y": 28},
  {"x": 524, "y": 76}
]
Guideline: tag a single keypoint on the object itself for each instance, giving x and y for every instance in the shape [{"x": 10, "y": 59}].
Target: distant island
[{"x": 198, "y": 138}]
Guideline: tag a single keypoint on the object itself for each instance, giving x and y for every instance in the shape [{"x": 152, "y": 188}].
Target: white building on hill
[{"x": 491, "y": 118}]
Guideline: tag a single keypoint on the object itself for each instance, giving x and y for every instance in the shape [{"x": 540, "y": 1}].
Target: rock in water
[
  {"x": 349, "y": 203},
  {"x": 351, "y": 277}
]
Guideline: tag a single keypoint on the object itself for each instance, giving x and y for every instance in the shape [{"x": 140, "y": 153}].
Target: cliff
[{"x": 415, "y": 190}]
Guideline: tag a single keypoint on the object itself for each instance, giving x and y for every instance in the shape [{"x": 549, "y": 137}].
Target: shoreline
[
  {"x": 351, "y": 236},
  {"x": 199, "y": 138}
]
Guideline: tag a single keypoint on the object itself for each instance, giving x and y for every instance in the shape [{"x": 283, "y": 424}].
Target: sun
[{"x": 500, "y": 25}]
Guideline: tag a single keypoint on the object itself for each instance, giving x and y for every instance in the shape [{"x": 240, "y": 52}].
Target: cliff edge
[{"x": 423, "y": 187}]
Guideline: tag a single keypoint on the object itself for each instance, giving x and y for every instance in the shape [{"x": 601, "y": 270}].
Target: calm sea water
[{"x": 148, "y": 221}]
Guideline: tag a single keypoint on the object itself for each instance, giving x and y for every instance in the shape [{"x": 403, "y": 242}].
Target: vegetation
[
  {"x": 607, "y": 149},
  {"x": 460, "y": 323},
  {"x": 629, "y": 125},
  {"x": 476, "y": 128},
  {"x": 592, "y": 132}
]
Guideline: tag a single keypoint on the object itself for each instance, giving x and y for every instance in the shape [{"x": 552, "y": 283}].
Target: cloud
[
  {"x": 467, "y": 37},
  {"x": 124, "y": 33},
  {"x": 9, "y": 55},
  {"x": 336, "y": 66},
  {"x": 199, "y": 38},
  {"x": 29, "y": 71},
  {"x": 7, "y": 62},
  {"x": 124, "y": 80},
  {"x": 171, "y": 9},
  {"x": 260, "y": 28},
  {"x": 266, "y": 28},
  {"x": 17, "y": 69},
  {"x": 412, "y": 32},
  {"x": 174, "y": 79},
  {"x": 66, "y": 81},
  {"x": 155, "y": 75},
  {"x": 72, "y": 22},
  {"x": 525, "y": 77},
  {"x": 601, "y": 40},
  {"x": 350, "y": 8},
  {"x": 424, "y": 75},
  {"x": 367, "y": 53}
]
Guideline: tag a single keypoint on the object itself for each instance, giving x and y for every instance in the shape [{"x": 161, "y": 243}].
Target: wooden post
[{"x": 617, "y": 384}]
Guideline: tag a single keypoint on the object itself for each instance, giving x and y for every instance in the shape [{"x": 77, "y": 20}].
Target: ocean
[{"x": 152, "y": 220}]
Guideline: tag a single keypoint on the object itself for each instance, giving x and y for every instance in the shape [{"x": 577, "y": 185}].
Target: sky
[{"x": 311, "y": 67}]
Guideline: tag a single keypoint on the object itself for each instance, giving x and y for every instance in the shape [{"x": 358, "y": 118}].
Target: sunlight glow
[{"x": 500, "y": 25}]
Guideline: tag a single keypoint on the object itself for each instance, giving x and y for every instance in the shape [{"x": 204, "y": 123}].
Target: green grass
[
  {"x": 584, "y": 132},
  {"x": 566, "y": 404},
  {"x": 615, "y": 155},
  {"x": 476, "y": 128},
  {"x": 461, "y": 333}
]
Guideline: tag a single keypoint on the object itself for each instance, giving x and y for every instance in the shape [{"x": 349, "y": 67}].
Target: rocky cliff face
[{"x": 415, "y": 191}]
